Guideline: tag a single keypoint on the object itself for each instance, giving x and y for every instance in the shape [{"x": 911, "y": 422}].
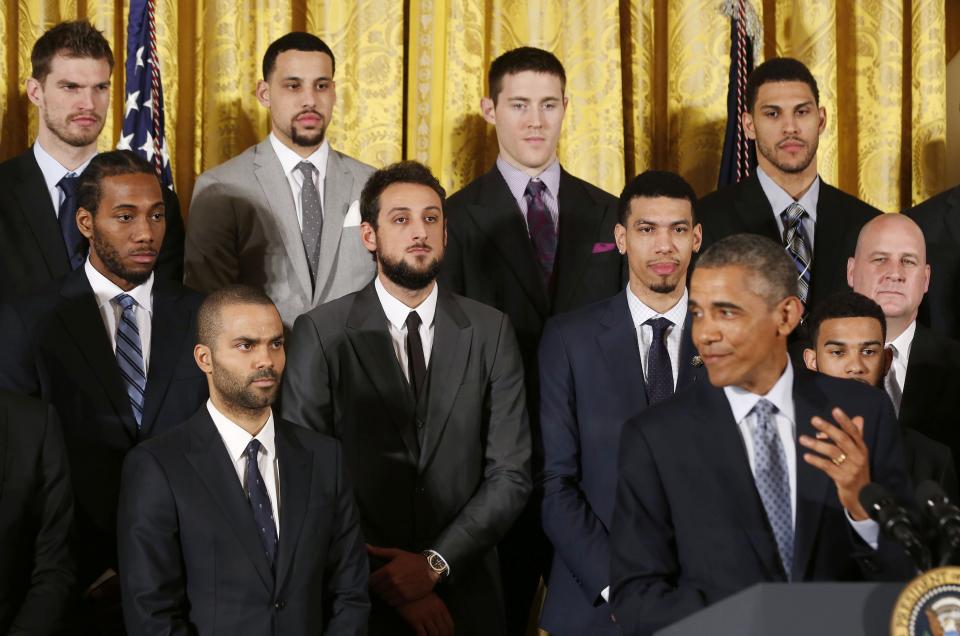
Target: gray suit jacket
[{"x": 243, "y": 229}]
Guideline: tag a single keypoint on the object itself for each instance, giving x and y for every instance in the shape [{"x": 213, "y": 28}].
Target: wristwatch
[{"x": 436, "y": 562}]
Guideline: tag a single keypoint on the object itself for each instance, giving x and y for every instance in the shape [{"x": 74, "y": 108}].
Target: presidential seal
[{"x": 929, "y": 605}]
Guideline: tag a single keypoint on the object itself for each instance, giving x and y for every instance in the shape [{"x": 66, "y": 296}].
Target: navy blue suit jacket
[
  {"x": 592, "y": 381},
  {"x": 689, "y": 528}
]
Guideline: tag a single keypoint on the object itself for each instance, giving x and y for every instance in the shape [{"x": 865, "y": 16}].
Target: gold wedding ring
[{"x": 839, "y": 460}]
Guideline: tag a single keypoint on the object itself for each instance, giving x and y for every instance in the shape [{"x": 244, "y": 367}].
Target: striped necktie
[
  {"x": 798, "y": 246},
  {"x": 130, "y": 355}
]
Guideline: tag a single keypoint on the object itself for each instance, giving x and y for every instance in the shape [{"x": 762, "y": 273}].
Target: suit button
[
  {"x": 279, "y": 605},
  {"x": 420, "y": 491},
  {"x": 419, "y": 423}
]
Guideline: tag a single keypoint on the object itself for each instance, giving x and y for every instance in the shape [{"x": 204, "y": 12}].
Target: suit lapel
[
  {"x": 171, "y": 327},
  {"x": 279, "y": 200},
  {"x": 367, "y": 332},
  {"x": 37, "y": 210},
  {"x": 687, "y": 372},
  {"x": 208, "y": 456},
  {"x": 755, "y": 212},
  {"x": 448, "y": 362},
  {"x": 924, "y": 380},
  {"x": 296, "y": 473},
  {"x": 830, "y": 261},
  {"x": 499, "y": 218},
  {"x": 579, "y": 220},
  {"x": 617, "y": 340},
  {"x": 337, "y": 187}
]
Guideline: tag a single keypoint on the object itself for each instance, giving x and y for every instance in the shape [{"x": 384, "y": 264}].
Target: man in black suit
[
  {"x": 36, "y": 513},
  {"x": 600, "y": 366},
  {"x": 745, "y": 478},
  {"x": 890, "y": 266},
  {"x": 39, "y": 239},
  {"x": 283, "y": 553},
  {"x": 110, "y": 347},
  {"x": 786, "y": 200},
  {"x": 531, "y": 240},
  {"x": 939, "y": 219},
  {"x": 425, "y": 391}
]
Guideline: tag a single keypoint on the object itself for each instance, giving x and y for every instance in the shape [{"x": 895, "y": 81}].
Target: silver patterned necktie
[
  {"x": 129, "y": 354},
  {"x": 892, "y": 386},
  {"x": 772, "y": 480},
  {"x": 798, "y": 246},
  {"x": 312, "y": 212}
]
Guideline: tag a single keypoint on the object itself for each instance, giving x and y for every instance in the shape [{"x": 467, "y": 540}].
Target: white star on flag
[
  {"x": 149, "y": 104},
  {"x": 164, "y": 153},
  {"x": 147, "y": 147},
  {"x": 140, "y": 56},
  {"x": 125, "y": 141},
  {"x": 131, "y": 103}
]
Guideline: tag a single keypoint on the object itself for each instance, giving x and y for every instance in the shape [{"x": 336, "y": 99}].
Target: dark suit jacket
[
  {"x": 32, "y": 252},
  {"x": 36, "y": 512},
  {"x": 689, "y": 528},
  {"x": 191, "y": 560},
  {"x": 939, "y": 218},
  {"x": 54, "y": 346},
  {"x": 744, "y": 208},
  {"x": 450, "y": 476},
  {"x": 591, "y": 382}
]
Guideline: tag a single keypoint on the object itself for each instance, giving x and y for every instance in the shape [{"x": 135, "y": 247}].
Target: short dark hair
[
  {"x": 656, "y": 183},
  {"x": 525, "y": 58},
  {"x": 779, "y": 69},
  {"x": 773, "y": 272},
  {"x": 77, "y": 38},
  {"x": 401, "y": 172},
  {"x": 208, "y": 316},
  {"x": 108, "y": 164},
  {"x": 846, "y": 304},
  {"x": 295, "y": 41}
]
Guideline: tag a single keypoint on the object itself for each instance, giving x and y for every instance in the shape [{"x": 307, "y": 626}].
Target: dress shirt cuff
[
  {"x": 605, "y": 593},
  {"x": 868, "y": 529}
]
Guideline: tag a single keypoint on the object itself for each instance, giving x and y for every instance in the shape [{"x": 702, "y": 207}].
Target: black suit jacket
[
  {"x": 450, "y": 476},
  {"x": 591, "y": 382},
  {"x": 32, "y": 252},
  {"x": 744, "y": 208},
  {"x": 191, "y": 559},
  {"x": 36, "y": 513},
  {"x": 939, "y": 218},
  {"x": 689, "y": 528},
  {"x": 54, "y": 346}
]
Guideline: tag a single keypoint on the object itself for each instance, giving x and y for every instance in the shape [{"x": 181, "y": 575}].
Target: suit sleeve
[
  {"x": 170, "y": 259},
  {"x": 152, "y": 580},
  {"x": 306, "y": 399},
  {"x": 18, "y": 364},
  {"x": 451, "y": 269},
  {"x": 211, "y": 258},
  {"x": 54, "y": 572},
  {"x": 646, "y": 591},
  {"x": 347, "y": 567},
  {"x": 500, "y": 498},
  {"x": 578, "y": 536}
]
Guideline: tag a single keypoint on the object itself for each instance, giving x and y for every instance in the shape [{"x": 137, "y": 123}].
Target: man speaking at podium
[{"x": 755, "y": 476}]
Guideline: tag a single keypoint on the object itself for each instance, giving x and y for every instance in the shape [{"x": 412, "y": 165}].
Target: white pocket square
[{"x": 353, "y": 215}]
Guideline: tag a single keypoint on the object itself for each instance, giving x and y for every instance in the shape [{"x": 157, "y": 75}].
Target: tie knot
[
  {"x": 792, "y": 215},
  {"x": 413, "y": 321},
  {"x": 252, "y": 449},
  {"x": 534, "y": 189},
  {"x": 659, "y": 325},
  {"x": 306, "y": 169},
  {"x": 764, "y": 410},
  {"x": 68, "y": 184},
  {"x": 125, "y": 301}
]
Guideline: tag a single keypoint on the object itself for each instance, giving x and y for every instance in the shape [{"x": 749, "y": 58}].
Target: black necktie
[
  {"x": 416, "y": 366},
  {"x": 659, "y": 371},
  {"x": 67, "y": 216},
  {"x": 260, "y": 502}
]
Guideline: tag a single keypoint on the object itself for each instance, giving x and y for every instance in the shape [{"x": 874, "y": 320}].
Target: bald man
[{"x": 890, "y": 266}]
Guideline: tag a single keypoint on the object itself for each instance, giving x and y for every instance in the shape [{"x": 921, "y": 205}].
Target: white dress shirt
[
  {"x": 236, "y": 439},
  {"x": 289, "y": 160},
  {"x": 901, "y": 353},
  {"x": 53, "y": 171},
  {"x": 676, "y": 314},
  {"x": 781, "y": 395},
  {"x": 780, "y": 201},
  {"x": 397, "y": 314},
  {"x": 517, "y": 181},
  {"x": 105, "y": 291}
]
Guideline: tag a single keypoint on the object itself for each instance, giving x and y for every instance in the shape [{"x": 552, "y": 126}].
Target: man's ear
[
  {"x": 620, "y": 237},
  {"x": 263, "y": 93},
  {"x": 488, "y": 108},
  {"x": 790, "y": 311},
  {"x": 368, "y": 236},
  {"x": 810, "y": 359},
  {"x": 85, "y": 223},
  {"x": 746, "y": 120},
  {"x": 202, "y": 356}
]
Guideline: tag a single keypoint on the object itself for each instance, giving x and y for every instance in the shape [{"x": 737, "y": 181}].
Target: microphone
[
  {"x": 946, "y": 518},
  {"x": 894, "y": 522}
]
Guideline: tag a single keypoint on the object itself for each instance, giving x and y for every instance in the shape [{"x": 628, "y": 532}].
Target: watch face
[{"x": 437, "y": 563}]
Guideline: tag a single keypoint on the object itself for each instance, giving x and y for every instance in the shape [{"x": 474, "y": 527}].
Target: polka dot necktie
[
  {"x": 312, "y": 217},
  {"x": 659, "y": 370},
  {"x": 260, "y": 501},
  {"x": 773, "y": 482}
]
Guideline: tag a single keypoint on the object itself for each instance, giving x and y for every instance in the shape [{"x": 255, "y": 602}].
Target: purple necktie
[{"x": 543, "y": 234}]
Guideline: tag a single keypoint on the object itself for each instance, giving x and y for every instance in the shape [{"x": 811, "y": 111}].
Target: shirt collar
[
  {"x": 517, "y": 179},
  {"x": 106, "y": 290},
  {"x": 397, "y": 312},
  {"x": 289, "y": 159},
  {"x": 53, "y": 171},
  {"x": 780, "y": 200},
  {"x": 780, "y": 394},
  {"x": 641, "y": 313},
  {"x": 236, "y": 439},
  {"x": 904, "y": 341}
]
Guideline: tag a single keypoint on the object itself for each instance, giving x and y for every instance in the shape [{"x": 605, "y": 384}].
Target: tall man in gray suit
[
  {"x": 284, "y": 215},
  {"x": 425, "y": 391}
]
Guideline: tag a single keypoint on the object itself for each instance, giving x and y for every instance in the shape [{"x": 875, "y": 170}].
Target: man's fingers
[
  {"x": 827, "y": 466},
  {"x": 383, "y": 553},
  {"x": 829, "y": 450}
]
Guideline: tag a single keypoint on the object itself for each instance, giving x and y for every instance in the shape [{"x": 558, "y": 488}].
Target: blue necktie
[
  {"x": 798, "y": 246},
  {"x": 773, "y": 482},
  {"x": 130, "y": 355},
  {"x": 659, "y": 371},
  {"x": 73, "y": 240},
  {"x": 260, "y": 501}
]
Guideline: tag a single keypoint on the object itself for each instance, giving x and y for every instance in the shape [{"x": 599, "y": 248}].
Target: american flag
[
  {"x": 143, "y": 111},
  {"x": 739, "y": 158}
]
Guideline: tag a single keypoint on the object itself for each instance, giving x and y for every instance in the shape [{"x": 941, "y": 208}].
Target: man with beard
[
  {"x": 39, "y": 238},
  {"x": 284, "y": 214},
  {"x": 786, "y": 200},
  {"x": 600, "y": 366},
  {"x": 282, "y": 554},
  {"x": 425, "y": 391},
  {"x": 110, "y": 347}
]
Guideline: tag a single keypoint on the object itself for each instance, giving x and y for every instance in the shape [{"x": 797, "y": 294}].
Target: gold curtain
[{"x": 647, "y": 81}]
